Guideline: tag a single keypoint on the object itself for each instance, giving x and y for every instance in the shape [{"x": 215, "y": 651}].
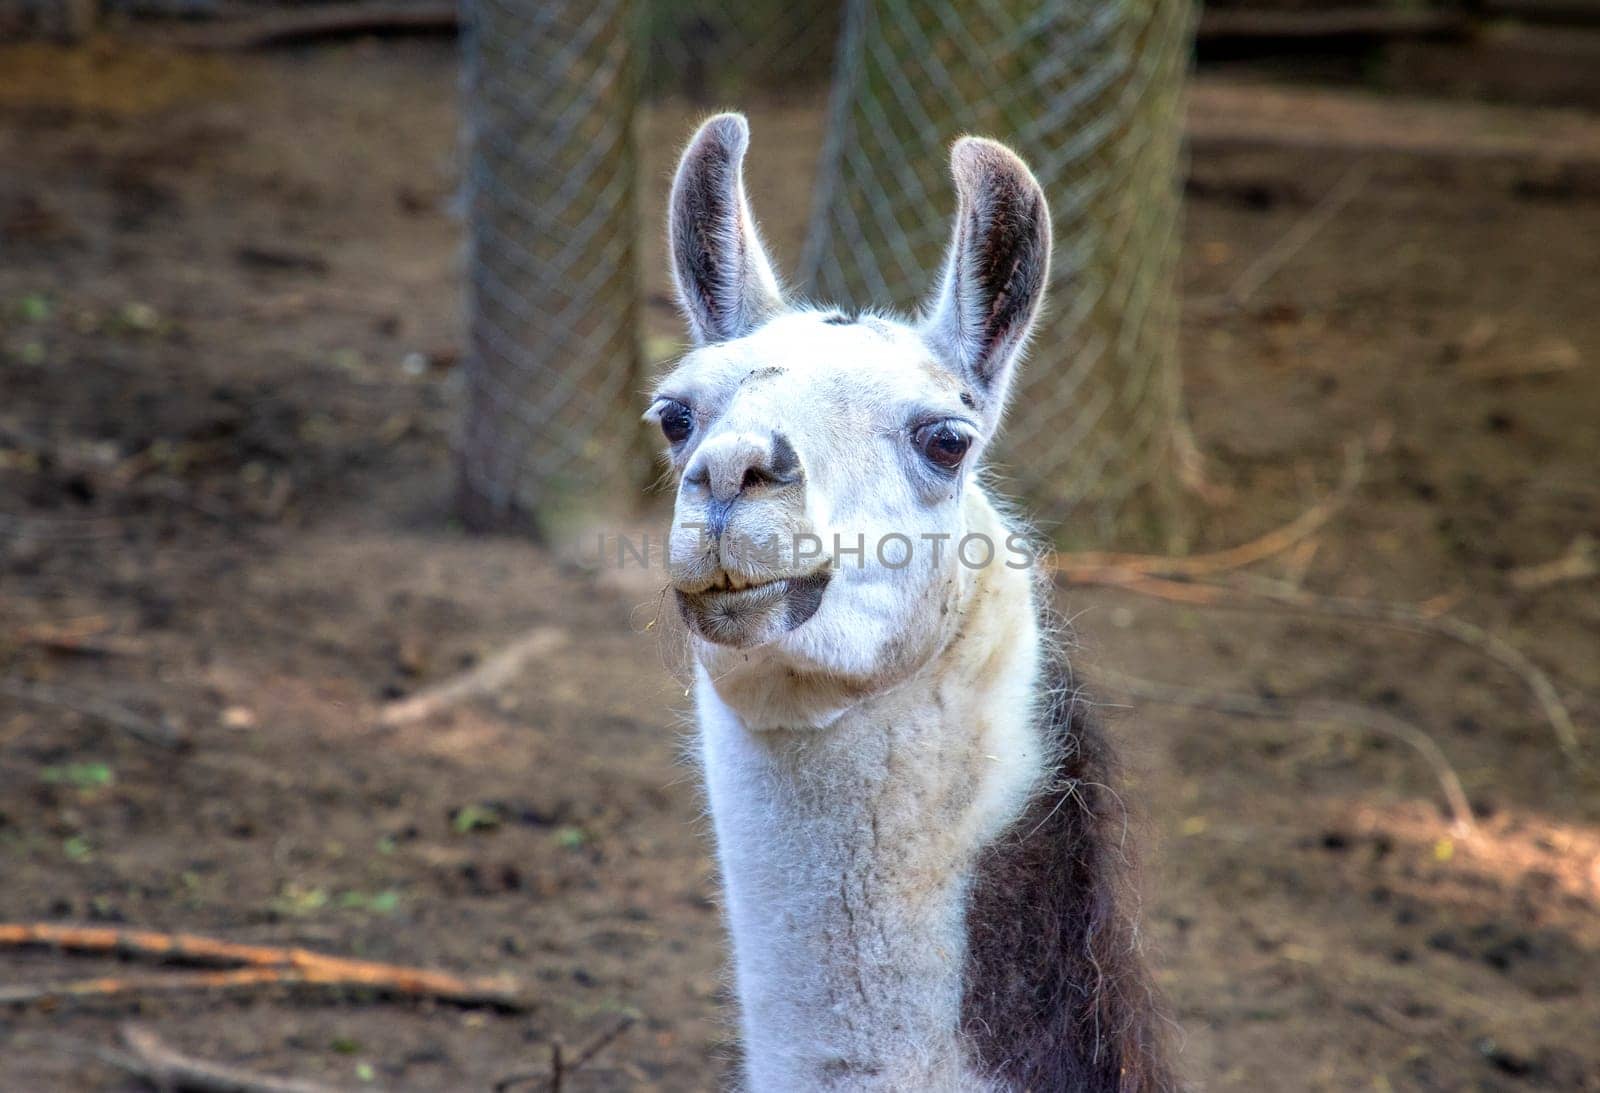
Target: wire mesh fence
[
  {"x": 552, "y": 290},
  {"x": 1090, "y": 91}
]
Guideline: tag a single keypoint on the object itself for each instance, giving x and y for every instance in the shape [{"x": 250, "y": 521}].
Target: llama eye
[
  {"x": 676, "y": 422},
  {"x": 943, "y": 445}
]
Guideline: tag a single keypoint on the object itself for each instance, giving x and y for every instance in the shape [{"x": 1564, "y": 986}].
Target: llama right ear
[
  {"x": 725, "y": 283},
  {"x": 995, "y": 272}
]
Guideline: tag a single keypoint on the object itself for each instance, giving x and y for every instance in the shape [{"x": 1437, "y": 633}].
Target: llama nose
[{"x": 731, "y": 466}]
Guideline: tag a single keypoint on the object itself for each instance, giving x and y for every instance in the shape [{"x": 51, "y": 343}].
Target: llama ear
[
  {"x": 725, "y": 283},
  {"x": 994, "y": 275}
]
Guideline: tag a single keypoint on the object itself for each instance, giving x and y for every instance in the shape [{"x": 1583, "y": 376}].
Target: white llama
[{"x": 921, "y": 857}]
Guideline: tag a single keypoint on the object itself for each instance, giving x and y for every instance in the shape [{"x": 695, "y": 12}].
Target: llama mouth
[
  {"x": 731, "y": 582},
  {"x": 729, "y": 612}
]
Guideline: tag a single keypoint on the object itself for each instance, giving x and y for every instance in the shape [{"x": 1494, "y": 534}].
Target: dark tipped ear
[
  {"x": 725, "y": 282},
  {"x": 995, "y": 273}
]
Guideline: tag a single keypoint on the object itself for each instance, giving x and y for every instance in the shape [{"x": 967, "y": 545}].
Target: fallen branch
[
  {"x": 1086, "y": 564},
  {"x": 328, "y": 21},
  {"x": 1191, "y": 466},
  {"x": 488, "y": 677},
  {"x": 1270, "y": 262},
  {"x": 120, "y": 717},
  {"x": 114, "y": 986},
  {"x": 263, "y": 964},
  {"x": 78, "y": 638},
  {"x": 167, "y": 1069},
  {"x": 1548, "y": 358},
  {"x": 1579, "y": 563},
  {"x": 1313, "y": 711},
  {"x": 1404, "y": 616},
  {"x": 1252, "y": 593}
]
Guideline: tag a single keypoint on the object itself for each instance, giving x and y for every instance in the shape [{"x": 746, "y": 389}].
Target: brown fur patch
[{"x": 1056, "y": 995}]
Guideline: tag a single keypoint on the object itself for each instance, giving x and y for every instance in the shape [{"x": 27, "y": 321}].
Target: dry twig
[
  {"x": 1252, "y": 593},
  {"x": 1270, "y": 261},
  {"x": 559, "y": 1068},
  {"x": 116, "y": 986},
  {"x": 1313, "y": 711},
  {"x": 135, "y": 725},
  {"x": 1083, "y": 567},
  {"x": 485, "y": 679},
  {"x": 167, "y": 1069},
  {"x": 1191, "y": 465},
  {"x": 1404, "y": 616},
  {"x": 1579, "y": 563},
  {"x": 85, "y": 637},
  {"x": 262, "y": 965}
]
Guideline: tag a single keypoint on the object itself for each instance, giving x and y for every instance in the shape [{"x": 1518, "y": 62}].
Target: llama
[{"x": 922, "y": 862}]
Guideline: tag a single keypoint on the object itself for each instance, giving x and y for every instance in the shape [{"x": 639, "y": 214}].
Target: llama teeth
[{"x": 732, "y": 582}]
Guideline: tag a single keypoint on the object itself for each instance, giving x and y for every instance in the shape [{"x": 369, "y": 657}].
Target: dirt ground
[{"x": 228, "y": 308}]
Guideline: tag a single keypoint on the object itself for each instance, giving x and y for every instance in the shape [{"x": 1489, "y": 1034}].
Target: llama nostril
[{"x": 731, "y": 467}]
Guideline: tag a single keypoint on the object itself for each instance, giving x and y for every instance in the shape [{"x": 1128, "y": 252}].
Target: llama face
[
  {"x": 824, "y": 461},
  {"x": 821, "y": 465}
]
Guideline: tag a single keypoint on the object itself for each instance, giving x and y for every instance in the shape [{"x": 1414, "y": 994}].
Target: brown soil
[{"x": 222, "y": 506}]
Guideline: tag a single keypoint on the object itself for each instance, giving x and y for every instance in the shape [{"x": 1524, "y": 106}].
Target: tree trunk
[
  {"x": 552, "y": 368},
  {"x": 1090, "y": 92}
]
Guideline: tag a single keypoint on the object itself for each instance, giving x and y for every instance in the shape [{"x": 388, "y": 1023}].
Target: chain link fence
[
  {"x": 552, "y": 291},
  {"x": 1090, "y": 91}
]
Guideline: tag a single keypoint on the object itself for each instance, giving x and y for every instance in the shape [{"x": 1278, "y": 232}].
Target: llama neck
[{"x": 848, "y": 855}]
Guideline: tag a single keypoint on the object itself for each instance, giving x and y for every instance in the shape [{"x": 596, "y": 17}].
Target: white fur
[
  {"x": 845, "y": 854},
  {"x": 856, "y": 761}
]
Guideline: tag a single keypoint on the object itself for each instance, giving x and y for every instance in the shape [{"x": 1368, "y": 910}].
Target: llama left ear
[
  {"x": 994, "y": 275},
  {"x": 725, "y": 283}
]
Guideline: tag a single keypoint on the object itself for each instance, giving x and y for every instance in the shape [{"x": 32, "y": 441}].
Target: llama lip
[
  {"x": 729, "y": 613},
  {"x": 730, "y": 582}
]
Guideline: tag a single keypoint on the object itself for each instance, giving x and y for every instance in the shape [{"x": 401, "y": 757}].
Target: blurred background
[{"x": 324, "y": 329}]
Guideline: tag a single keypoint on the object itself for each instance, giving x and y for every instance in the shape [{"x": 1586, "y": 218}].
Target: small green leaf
[
  {"x": 385, "y": 902},
  {"x": 470, "y": 818},
  {"x": 79, "y": 775},
  {"x": 296, "y": 899},
  {"x": 77, "y": 848},
  {"x": 34, "y": 309},
  {"x": 344, "y": 1045},
  {"x": 570, "y": 838},
  {"x": 139, "y": 317},
  {"x": 365, "y": 1072}
]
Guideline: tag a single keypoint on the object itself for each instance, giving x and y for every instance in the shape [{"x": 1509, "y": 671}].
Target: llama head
[{"x": 823, "y": 460}]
